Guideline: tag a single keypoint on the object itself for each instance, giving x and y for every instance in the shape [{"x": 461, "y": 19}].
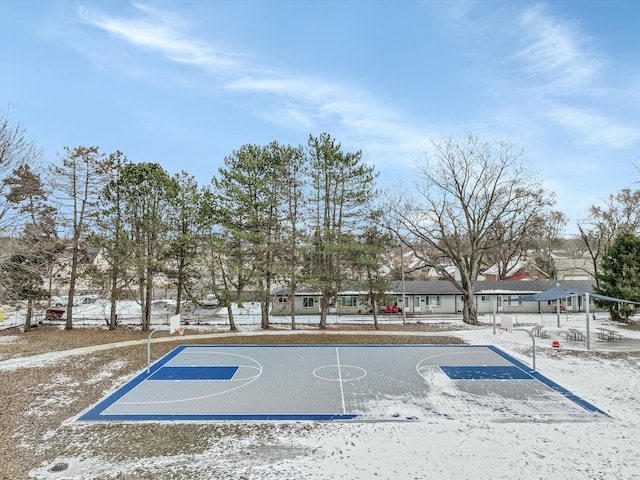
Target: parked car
[
  {"x": 59, "y": 301},
  {"x": 78, "y": 299},
  {"x": 209, "y": 300}
]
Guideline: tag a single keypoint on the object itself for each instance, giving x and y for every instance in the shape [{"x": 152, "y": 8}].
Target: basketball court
[{"x": 339, "y": 382}]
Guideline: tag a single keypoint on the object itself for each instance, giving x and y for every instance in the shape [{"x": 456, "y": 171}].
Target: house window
[
  {"x": 283, "y": 299},
  {"x": 433, "y": 301},
  {"x": 485, "y": 298},
  {"x": 513, "y": 301},
  {"x": 349, "y": 301},
  {"x": 307, "y": 302}
]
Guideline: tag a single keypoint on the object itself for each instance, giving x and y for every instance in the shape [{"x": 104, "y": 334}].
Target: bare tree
[
  {"x": 471, "y": 197},
  {"x": 16, "y": 151},
  {"x": 31, "y": 255},
  {"x": 619, "y": 214},
  {"x": 547, "y": 240},
  {"x": 77, "y": 182}
]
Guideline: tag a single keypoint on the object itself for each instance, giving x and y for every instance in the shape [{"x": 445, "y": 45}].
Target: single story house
[
  {"x": 308, "y": 302},
  {"x": 439, "y": 297}
]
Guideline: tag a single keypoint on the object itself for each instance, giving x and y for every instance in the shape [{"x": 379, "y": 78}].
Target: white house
[{"x": 439, "y": 297}]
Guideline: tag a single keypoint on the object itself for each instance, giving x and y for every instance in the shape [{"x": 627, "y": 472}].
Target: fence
[{"x": 222, "y": 319}]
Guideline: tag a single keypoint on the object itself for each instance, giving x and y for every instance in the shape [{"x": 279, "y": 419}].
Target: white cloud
[
  {"x": 592, "y": 128},
  {"x": 290, "y": 99},
  {"x": 557, "y": 53},
  {"x": 314, "y": 103},
  {"x": 160, "y": 32}
]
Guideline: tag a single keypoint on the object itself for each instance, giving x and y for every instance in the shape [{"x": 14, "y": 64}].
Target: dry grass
[{"x": 38, "y": 402}]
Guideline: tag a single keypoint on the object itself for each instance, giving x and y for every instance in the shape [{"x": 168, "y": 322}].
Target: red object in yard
[
  {"x": 555, "y": 344},
  {"x": 54, "y": 314}
]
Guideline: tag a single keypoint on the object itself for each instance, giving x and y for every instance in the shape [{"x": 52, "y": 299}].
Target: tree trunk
[
  {"x": 292, "y": 304},
  {"x": 469, "y": 310},
  {"x": 324, "y": 308},
  {"x": 72, "y": 283},
  {"x": 27, "y": 320},
  {"x": 178, "y": 297},
  {"x": 232, "y": 323},
  {"x": 146, "y": 321},
  {"x": 264, "y": 309},
  {"x": 113, "y": 314},
  {"x": 264, "y": 304},
  {"x": 374, "y": 310}
]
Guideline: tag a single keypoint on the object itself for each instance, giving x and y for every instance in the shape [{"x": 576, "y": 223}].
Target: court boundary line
[{"x": 93, "y": 414}]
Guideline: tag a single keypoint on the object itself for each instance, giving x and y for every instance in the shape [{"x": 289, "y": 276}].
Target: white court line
[
  {"x": 344, "y": 408},
  {"x": 248, "y": 381}
]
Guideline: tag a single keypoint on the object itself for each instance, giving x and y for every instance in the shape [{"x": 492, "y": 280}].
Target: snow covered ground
[{"x": 438, "y": 448}]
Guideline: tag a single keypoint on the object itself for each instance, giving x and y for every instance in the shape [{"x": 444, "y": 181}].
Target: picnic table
[
  {"x": 539, "y": 331},
  {"x": 575, "y": 334},
  {"x": 608, "y": 334}
]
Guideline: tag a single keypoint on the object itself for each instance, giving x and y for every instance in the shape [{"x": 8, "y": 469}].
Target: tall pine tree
[{"x": 619, "y": 275}]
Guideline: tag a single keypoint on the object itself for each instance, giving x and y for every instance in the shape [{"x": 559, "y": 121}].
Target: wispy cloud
[
  {"x": 158, "y": 31},
  {"x": 311, "y": 103},
  {"x": 594, "y": 129},
  {"x": 556, "y": 53},
  {"x": 300, "y": 101}
]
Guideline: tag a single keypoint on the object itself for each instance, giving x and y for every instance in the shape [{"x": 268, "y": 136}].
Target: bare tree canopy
[
  {"x": 620, "y": 213},
  {"x": 77, "y": 182},
  {"x": 471, "y": 197},
  {"x": 16, "y": 151}
]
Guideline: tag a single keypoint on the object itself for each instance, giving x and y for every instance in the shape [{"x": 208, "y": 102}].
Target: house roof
[
  {"x": 483, "y": 287},
  {"x": 559, "y": 292},
  {"x": 487, "y": 287}
]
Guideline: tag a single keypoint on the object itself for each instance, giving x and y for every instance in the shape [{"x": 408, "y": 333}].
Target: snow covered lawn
[{"x": 437, "y": 448}]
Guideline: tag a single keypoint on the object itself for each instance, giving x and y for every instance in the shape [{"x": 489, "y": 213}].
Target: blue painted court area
[
  {"x": 194, "y": 372},
  {"x": 485, "y": 372},
  {"x": 339, "y": 382}
]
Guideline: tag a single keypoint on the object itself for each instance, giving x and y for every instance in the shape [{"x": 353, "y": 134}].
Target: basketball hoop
[{"x": 180, "y": 330}]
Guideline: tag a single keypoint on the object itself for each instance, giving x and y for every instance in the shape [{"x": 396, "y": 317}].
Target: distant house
[
  {"x": 440, "y": 297},
  {"x": 60, "y": 276},
  {"x": 308, "y": 302},
  {"x": 572, "y": 267},
  {"x": 516, "y": 270},
  {"x": 500, "y": 296},
  {"x": 435, "y": 274}
]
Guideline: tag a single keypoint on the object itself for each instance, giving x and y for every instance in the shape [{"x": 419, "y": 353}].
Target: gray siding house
[{"x": 440, "y": 297}]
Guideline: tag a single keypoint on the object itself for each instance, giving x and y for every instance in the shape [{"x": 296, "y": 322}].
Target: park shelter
[{"x": 558, "y": 293}]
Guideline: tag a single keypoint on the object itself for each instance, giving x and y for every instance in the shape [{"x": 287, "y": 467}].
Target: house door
[
  {"x": 416, "y": 303},
  {"x": 499, "y": 303}
]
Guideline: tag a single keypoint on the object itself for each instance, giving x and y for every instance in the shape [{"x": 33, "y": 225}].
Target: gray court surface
[{"x": 339, "y": 382}]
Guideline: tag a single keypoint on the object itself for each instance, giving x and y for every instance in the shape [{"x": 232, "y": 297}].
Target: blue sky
[{"x": 184, "y": 83}]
